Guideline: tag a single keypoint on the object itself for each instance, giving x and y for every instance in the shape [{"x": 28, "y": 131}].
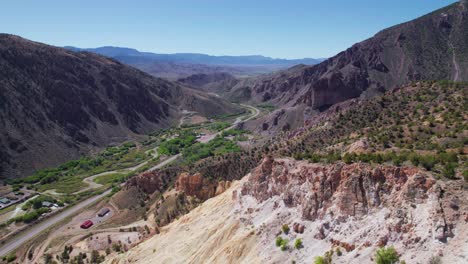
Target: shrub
[
  {"x": 349, "y": 158},
  {"x": 449, "y": 170},
  {"x": 386, "y": 256},
  {"x": 285, "y": 229},
  {"x": 298, "y": 243},
  {"x": 282, "y": 243},
  {"x": 323, "y": 259},
  {"x": 428, "y": 162},
  {"x": 10, "y": 257}
]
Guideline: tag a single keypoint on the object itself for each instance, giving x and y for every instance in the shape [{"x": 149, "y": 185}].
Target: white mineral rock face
[{"x": 400, "y": 207}]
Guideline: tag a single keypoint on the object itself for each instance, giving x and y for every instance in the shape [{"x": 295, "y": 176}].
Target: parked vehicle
[
  {"x": 87, "y": 224},
  {"x": 103, "y": 212}
]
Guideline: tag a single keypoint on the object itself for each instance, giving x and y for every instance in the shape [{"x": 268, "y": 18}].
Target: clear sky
[{"x": 277, "y": 28}]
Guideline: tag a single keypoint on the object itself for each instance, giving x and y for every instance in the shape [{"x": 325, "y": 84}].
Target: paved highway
[{"x": 35, "y": 230}]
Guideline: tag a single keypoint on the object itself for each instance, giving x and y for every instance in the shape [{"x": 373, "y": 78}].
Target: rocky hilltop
[
  {"x": 362, "y": 175},
  {"x": 57, "y": 104},
  {"x": 432, "y": 47},
  {"x": 352, "y": 209}
]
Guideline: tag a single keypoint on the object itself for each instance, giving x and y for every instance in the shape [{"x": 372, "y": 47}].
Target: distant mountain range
[
  {"x": 128, "y": 55},
  {"x": 181, "y": 65}
]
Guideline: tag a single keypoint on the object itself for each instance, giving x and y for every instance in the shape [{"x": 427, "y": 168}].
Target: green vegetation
[
  {"x": 233, "y": 132},
  {"x": 29, "y": 217},
  {"x": 298, "y": 243},
  {"x": 282, "y": 243},
  {"x": 326, "y": 259},
  {"x": 423, "y": 126},
  {"x": 266, "y": 107},
  {"x": 226, "y": 117},
  {"x": 7, "y": 209},
  {"x": 68, "y": 177},
  {"x": 36, "y": 203},
  {"x": 321, "y": 260},
  {"x": 67, "y": 185},
  {"x": 239, "y": 134},
  {"x": 9, "y": 258},
  {"x": 215, "y": 147},
  {"x": 285, "y": 229},
  {"x": 386, "y": 255},
  {"x": 447, "y": 161},
  {"x": 175, "y": 145},
  {"x": 218, "y": 126},
  {"x": 111, "y": 178}
]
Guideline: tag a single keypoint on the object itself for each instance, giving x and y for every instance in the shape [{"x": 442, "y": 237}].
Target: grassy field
[
  {"x": 65, "y": 185},
  {"x": 110, "y": 178}
]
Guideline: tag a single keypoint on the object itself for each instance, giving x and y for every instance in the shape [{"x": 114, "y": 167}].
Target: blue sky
[{"x": 282, "y": 29}]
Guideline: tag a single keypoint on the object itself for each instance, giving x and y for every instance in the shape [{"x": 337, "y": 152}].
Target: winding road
[{"x": 34, "y": 230}]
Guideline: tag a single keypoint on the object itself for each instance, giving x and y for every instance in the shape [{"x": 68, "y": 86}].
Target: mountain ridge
[
  {"x": 431, "y": 47},
  {"x": 198, "y": 58}
]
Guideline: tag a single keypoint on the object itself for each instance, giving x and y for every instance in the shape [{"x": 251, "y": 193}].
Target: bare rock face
[
  {"x": 358, "y": 207},
  {"x": 222, "y": 187},
  {"x": 195, "y": 185},
  {"x": 349, "y": 190},
  {"x": 342, "y": 191},
  {"x": 148, "y": 182}
]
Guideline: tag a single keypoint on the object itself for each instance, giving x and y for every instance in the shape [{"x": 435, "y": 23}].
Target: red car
[{"x": 87, "y": 224}]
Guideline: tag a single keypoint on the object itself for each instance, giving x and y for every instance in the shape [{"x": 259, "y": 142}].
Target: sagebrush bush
[{"x": 386, "y": 255}]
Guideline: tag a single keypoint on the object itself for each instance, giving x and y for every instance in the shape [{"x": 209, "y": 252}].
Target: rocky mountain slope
[
  {"x": 361, "y": 175},
  {"x": 217, "y": 83},
  {"x": 432, "y": 47},
  {"x": 57, "y": 104}
]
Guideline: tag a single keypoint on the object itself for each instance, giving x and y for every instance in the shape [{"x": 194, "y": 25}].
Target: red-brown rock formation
[{"x": 342, "y": 191}]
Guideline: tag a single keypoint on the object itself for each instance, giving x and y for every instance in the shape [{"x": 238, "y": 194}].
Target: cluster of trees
[
  {"x": 218, "y": 146},
  {"x": 29, "y": 217},
  {"x": 218, "y": 126},
  {"x": 37, "y": 202},
  {"x": 174, "y": 146},
  {"x": 73, "y": 167}
]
